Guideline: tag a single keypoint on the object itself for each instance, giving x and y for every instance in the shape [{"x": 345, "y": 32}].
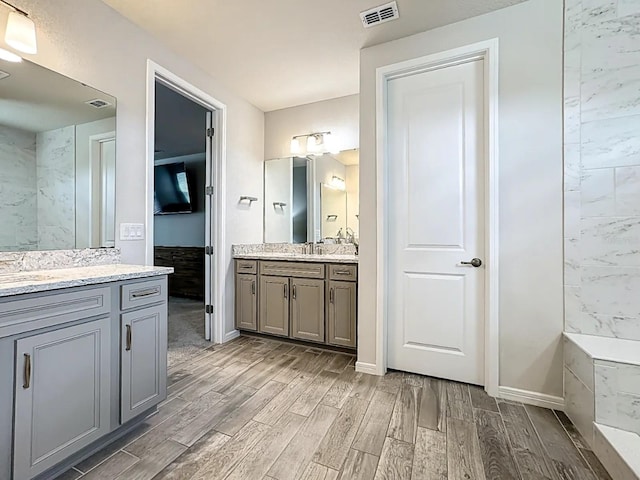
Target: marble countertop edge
[
  {"x": 56, "y": 279},
  {"x": 297, "y": 257}
]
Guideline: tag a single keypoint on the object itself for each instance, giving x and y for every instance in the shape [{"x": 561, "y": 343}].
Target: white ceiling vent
[
  {"x": 4, "y": 74},
  {"x": 378, "y": 15},
  {"x": 98, "y": 103}
]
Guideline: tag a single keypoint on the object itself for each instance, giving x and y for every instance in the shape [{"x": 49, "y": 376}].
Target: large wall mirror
[
  {"x": 57, "y": 161},
  {"x": 312, "y": 198}
]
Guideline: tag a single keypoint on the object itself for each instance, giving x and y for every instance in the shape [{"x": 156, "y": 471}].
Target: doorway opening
[{"x": 185, "y": 157}]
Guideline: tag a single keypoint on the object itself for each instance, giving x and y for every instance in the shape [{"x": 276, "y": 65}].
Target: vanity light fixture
[
  {"x": 315, "y": 142},
  {"x": 9, "y": 56},
  {"x": 338, "y": 183},
  {"x": 21, "y": 31}
]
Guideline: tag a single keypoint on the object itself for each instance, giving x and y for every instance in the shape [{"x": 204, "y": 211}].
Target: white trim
[
  {"x": 157, "y": 72},
  {"x": 531, "y": 398},
  {"x": 488, "y": 51},
  {"x": 369, "y": 368},
  {"x": 233, "y": 334}
]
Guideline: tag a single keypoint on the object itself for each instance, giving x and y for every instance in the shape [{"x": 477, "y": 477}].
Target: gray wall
[
  {"x": 529, "y": 182},
  {"x": 602, "y": 168},
  {"x": 185, "y": 229},
  {"x": 113, "y": 58}
]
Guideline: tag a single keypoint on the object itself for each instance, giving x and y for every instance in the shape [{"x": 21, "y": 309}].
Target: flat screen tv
[{"x": 171, "y": 193}]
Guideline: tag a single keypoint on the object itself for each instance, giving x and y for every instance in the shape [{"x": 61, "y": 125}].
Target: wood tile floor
[{"x": 261, "y": 409}]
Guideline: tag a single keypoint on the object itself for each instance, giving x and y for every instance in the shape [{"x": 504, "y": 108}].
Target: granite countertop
[
  {"x": 298, "y": 257},
  {"x": 19, "y": 283}
]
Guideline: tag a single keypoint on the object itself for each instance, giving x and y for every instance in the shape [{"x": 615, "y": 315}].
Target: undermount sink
[{"x": 22, "y": 277}]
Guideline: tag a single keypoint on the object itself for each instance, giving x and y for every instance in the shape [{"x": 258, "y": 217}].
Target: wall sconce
[
  {"x": 317, "y": 142},
  {"x": 21, "y": 31}
]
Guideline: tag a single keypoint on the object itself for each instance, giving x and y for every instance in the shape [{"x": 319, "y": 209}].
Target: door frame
[
  {"x": 216, "y": 284},
  {"x": 487, "y": 51}
]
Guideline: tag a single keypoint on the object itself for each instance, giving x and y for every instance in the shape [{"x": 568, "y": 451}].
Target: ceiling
[
  {"x": 36, "y": 99},
  {"x": 282, "y": 53}
]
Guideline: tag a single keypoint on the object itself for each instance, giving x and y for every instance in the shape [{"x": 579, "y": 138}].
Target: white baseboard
[
  {"x": 230, "y": 336},
  {"x": 369, "y": 368},
  {"x": 531, "y": 398}
]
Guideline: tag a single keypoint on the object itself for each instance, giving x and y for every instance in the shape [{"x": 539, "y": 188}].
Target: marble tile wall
[
  {"x": 17, "y": 189},
  {"x": 579, "y": 388},
  {"x": 602, "y": 167},
  {"x": 617, "y": 395},
  {"x": 56, "y": 188}
]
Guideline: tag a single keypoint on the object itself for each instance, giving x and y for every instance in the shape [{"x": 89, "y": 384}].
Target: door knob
[{"x": 475, "y": 262}]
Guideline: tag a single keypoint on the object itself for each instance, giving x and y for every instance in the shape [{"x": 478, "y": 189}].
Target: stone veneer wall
[{"x": 602, "y": 167}]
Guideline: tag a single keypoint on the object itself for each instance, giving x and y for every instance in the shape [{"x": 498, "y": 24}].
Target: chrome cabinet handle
[
  {"x": 27, "y": 371},
  {"x": 146, "y": 293},
  {"x": 253, "y": 287},
  {"x": 342, "y": 272},
  {"x": 293, "y": 292},
  {"x": 246, "y": 267},
  {"x": 331, "y": 295},
  {"x": 286, "y": 290},
  {"x": 129, "y": 338},
  {"x": 475, "y": 262}
]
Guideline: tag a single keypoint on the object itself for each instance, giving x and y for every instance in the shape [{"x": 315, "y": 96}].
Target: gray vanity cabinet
[
  {"x": 246, "y": 302},
  {"x": 307, "y": 309},
  {"x": 341, "y": 316},
  {"x": 62, "y": 394},
  {"x": 144, "y": 360},
  {"x": 274, "y": 305}
]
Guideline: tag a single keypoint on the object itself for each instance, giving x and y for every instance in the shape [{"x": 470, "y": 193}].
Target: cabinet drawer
[
  {"x": 143, "y": 293},
  {"x": 347, "y": 273},
  {"x": 247, "y": 266},
  {"x": 292, "y": 269},
  {"x": 48, "y": 310}
]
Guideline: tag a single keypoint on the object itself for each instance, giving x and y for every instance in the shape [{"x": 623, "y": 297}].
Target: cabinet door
[
  {"x": 246, "y": 302},
  {"x": 342, "y": 313},
  {"x": 274, "y": 305},
  {"x": 62, "y": 393},
  {"x": 307, "y": 309},
  {"x": 144, "y": 360}
]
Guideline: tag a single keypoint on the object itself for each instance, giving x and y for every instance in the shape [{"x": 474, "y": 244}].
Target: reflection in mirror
[
  {"x": 333, "y": 208},
  {"x": 57, "y": 157},
  {"x": 299, "y": 194},
  {"x": 286, "y": 217}
]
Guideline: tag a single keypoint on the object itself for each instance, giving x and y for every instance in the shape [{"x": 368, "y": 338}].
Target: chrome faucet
[{"x": 351, "y": 238}]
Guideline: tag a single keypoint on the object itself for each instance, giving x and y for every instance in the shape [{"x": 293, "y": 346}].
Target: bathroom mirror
[
  {"x": 300, "y": 192},
  {"x": 57, "y": 159}
]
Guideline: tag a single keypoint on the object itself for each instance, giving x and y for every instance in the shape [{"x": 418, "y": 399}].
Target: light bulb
[
  {"x": 311, "y": 143},
  {"x": 21, "y": 33},
  {"x": 295, "y": 145},
  {"x": 9, "y": 56}
]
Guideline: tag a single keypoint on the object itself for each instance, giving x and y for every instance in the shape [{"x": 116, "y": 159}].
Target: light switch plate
[{"x": 132, "y": 231}]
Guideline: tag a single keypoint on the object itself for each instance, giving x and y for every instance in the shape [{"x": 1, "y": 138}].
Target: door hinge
[
  {"x": 210, "y": 132},
  {"x": 208, "y": 309},
  {"x": 208, "y": 250},
  {"x": 208, "y": 190}
]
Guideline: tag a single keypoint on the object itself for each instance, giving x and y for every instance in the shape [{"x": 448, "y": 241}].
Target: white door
[
  {"x": 435, "y": 123},
  {"x": 108, "y": 193},
  {"x": 208, "y": 233}
]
